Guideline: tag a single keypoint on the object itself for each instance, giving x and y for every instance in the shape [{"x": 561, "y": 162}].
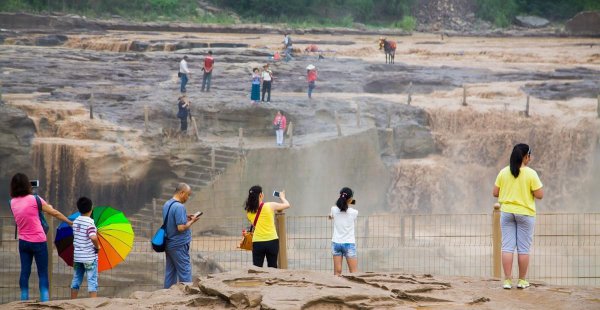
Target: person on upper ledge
[{"x": 209, "y": 62}]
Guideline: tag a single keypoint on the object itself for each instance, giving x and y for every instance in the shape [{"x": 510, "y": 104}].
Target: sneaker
[
  {"x": 507, "y": 284},
  {"x": 522, "y": 284}
]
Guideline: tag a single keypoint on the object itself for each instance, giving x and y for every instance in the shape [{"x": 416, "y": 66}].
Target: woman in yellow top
[
  {"x": 516, "y": 187},
  {"x": 265, "y": 241}
]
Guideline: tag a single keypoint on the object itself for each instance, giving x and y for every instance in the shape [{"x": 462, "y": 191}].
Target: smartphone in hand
[
  {"x": 197, "y": 214},
  {"x": 275, "y": 194}
]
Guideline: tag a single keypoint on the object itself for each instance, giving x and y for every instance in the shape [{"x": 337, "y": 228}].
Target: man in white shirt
[
  {"x": 184, "y": 72},
  {"x": 266, "y": 77}
]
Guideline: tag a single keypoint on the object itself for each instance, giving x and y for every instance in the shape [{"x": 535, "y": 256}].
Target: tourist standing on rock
[
  {"x": 265, "y": 241},
  {"x": 27, "y": 209},
  {"x": 311, "y": 77},
  {"x": 279, "y": 124},
  {"x": 209, "y": 61},
  {"x": 266, "y": 78},
  {"x": 343, "y": 242},
  {"x": 517, "y": 186},
  {"x": 184, "y": 73},
  {"x": 287, "y": 44},
  {"x": 178, "y": 266},
  {"x": 183, "y": 113},
  {"x": 255, "y": 93}
]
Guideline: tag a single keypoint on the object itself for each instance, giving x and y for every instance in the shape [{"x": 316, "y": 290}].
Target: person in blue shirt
[{"x": 178, "y": 266}]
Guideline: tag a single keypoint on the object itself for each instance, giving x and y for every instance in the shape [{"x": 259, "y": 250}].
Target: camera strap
[{"x": 10, "y": 207}]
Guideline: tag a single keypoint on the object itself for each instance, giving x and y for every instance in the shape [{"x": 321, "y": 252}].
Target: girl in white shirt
[{"x": 343, "y": 242}]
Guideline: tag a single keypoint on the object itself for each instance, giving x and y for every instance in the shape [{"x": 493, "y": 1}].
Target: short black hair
[
  {"x": 210, "y": 52},
  {"x": 84, "y": 205},
  {"x": 185, "y": 57},
  {"x": 20, "y": 186}
]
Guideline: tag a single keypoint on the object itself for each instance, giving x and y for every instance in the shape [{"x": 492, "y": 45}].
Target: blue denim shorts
[
  {"x": 343, "y": 249},
  {"x": 91, "y": 269}
]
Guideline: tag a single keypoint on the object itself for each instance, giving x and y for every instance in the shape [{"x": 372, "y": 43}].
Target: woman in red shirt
[{"x": 311, "y": 77}]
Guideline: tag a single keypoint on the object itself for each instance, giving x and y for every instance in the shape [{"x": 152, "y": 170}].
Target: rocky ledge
[{"x": 258, "y": 288}]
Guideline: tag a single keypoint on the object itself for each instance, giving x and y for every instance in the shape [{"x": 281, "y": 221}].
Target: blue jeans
[
  {"x": 184, "y": 80},
  {"x": 206, "y": 81},
  {"x": 28, "y": 251},
  {"x": 178, "y": 265},
  {"x": 91, "y": 269},
  {"x": 347, "y": 250},
  {"x": 311, "y": 86}
]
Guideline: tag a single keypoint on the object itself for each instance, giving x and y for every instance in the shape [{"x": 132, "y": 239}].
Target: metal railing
[{"x": 566, "y": 250}]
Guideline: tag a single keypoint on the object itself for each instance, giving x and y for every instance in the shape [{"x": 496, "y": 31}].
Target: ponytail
[
  {"x": 253, "y": 199},
  {"x": 342, "y": 202},
  {"x": 516, "y": 158}
]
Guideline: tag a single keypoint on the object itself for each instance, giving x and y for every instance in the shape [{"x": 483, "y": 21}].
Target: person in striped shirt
[{"x": 86, "y": 247}]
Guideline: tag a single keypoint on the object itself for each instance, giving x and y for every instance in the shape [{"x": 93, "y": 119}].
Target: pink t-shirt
[{"x": 28, "y": 221}]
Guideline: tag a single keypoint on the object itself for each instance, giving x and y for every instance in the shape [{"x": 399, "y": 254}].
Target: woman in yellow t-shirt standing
[
  {"x": 265, "y": 242},
  {"x": 516, "y": 187}
]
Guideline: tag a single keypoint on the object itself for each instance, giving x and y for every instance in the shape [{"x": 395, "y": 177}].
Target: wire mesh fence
[{"x": 566, "y": 251}]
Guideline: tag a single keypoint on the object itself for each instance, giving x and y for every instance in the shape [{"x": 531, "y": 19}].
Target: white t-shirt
[
  {"x": 83, "y": 229},
  {"x": 266, "y": 76},
  {"x": 183, "y": 67},
  {"x": 343, "y": 225}
]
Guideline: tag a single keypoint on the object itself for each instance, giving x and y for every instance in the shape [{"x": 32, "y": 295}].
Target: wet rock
[
  {"x": 584, "y": 23},
  {"x": 51, "y": 40},
  {"x": 139, "y": 46},
  {"x": 16, "y": 133},
  {"x": 248, "y": 299},
  {"x": 45, "y": 22},
  {"x": 45, "y": 89},
  {"x": 531, "y": 21},
  {"x": 413, "y": 141}
]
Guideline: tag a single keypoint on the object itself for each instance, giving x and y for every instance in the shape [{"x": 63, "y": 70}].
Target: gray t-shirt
[{"x": 177, "y": 216}]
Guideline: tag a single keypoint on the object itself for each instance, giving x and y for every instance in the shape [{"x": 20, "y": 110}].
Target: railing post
[
  {"x": 49, "y": 240},
  {"x": 92, "y": 106},
  {"x": 337, "y": 123},
  {"x": 291, "y": 133},
  {"x": 464, "y": 101},
  {"x": 282, "y": 258},
  {"x": 195, "y": 128},
  {"x": 496, "y": 242},
  {"x": 527, "y": 107},
  {"x": 402, "y": 230}
]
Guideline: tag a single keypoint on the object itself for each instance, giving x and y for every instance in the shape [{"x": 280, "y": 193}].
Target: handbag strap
[
  {"x": 167, "y": 217},
  {"x": 257, "y": 214},
  {"x": 10, "y": 207}
]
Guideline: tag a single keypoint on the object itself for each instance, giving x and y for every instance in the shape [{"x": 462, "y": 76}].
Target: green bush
[
  {"x": 407, "y": 23},
  {"x": 499, "y": 12}
]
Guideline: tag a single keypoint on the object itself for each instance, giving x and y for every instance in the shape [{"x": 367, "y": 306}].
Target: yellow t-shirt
[
  {"x": 265, "y": 227},
  {"x": 516, "y": 194}
]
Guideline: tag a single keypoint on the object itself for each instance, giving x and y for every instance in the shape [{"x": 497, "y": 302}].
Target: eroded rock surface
[{"x": 257, "y": 288}]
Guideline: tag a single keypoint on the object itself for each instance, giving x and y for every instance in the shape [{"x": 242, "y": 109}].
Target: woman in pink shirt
[
  {"x": 279, "y": 124},
  {"x": 32, "y": 238}
]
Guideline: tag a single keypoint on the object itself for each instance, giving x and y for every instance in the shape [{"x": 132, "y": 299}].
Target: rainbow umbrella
[{"x": 114, "y": 233}]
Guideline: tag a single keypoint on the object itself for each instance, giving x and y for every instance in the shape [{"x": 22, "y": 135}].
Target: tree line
[{"x": 335, "y": 12}]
